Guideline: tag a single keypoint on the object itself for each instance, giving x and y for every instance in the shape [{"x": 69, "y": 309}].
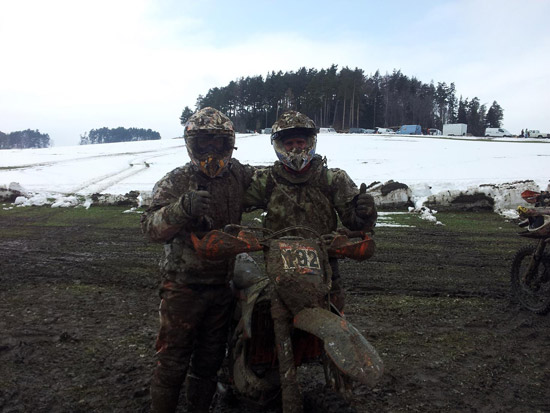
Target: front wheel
[{"x": 531, "y": 290}]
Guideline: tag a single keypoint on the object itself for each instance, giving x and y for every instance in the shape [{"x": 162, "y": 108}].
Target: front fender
[{"x": 344, "y": 344}]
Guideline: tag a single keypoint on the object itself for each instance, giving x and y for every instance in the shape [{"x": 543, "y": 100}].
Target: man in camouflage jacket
[
  {"x": 300, "y": 189},
  {"x": 195, "y": 295}
]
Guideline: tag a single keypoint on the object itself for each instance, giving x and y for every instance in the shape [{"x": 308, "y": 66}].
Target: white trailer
[{"x": 455, "y": 129}]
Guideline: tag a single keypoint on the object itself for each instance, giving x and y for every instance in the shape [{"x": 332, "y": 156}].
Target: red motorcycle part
[
  {"x": 342, "y": 247},
  {"x": 218, "y": 245},
  {"x": 343, "y": 343},
  {"x": 530, "y": 196}
]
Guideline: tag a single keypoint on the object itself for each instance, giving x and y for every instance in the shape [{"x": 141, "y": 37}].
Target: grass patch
[
  {"x": 478, "y": 222},
  {"x": 102, "y": 217}
]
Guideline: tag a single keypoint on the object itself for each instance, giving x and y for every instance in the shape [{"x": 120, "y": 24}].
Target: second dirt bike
[
  {"x": 285, "y": 318},
  {"x": 530, "y": 272}
]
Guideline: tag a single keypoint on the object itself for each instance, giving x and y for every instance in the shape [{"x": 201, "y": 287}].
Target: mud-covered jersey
[
  {"x": 313, "y": 198},
  {"x": 166, "y": 221}
]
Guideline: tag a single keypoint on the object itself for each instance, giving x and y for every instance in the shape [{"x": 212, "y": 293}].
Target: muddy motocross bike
[
  {"x": 530, "y": 273},
  {"x": 284, "y": 318}
]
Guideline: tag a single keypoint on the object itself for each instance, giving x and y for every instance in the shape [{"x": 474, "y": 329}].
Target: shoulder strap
[
  {"x": 325, "y": 182},
  {"x": 269, "y": 186}
]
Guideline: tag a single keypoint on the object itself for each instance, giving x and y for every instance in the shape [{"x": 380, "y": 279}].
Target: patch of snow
[
  {"x": 385, "y": 219},
  {"x": 65, "y": 202},
  {"x": 425, "y": 213}
]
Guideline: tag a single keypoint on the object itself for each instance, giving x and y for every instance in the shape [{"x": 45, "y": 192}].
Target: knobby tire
[{"x": 535, "y": 299}]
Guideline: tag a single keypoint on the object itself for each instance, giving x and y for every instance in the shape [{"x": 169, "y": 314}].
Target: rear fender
[{"x": 344, "y": 344}]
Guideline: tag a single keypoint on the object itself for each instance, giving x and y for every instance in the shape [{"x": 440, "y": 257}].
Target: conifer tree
[{"x": 494, "y": 116}]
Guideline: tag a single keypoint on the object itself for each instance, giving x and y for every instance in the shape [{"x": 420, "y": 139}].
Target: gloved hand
[
  {"x": 196, "y": 203},
  {"x": 364, "y": 204}
]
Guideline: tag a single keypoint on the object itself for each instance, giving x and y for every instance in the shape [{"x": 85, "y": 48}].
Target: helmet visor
[{"x": 211, "y": 144}]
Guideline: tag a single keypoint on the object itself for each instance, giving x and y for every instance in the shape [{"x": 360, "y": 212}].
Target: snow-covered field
[{"x": 431, "y": 166}]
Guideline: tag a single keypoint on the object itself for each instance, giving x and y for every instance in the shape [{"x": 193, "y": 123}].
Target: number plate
[{"x": 302, "y": 258}]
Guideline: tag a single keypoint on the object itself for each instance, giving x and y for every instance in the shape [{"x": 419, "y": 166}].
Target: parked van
[
  {"x": 410, "y": 130},
  {"x": 327, "y": 130},
  {"x": 497, "y": 133}
]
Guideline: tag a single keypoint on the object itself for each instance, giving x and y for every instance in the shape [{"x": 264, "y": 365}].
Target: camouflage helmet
[
  {"x": 292, "y": 120},
  {"x": 205, "y": 125},
  {"x": 208, "y": 120},
  {"x": 294, "y": 124}
]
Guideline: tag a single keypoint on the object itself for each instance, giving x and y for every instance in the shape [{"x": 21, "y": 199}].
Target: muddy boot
[
  {"x": 199, "y": 393},
  {"x": 164, "y": 400}
]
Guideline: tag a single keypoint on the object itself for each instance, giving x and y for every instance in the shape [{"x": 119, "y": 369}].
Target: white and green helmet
[
  {"x": 206, "y": 123},
  {"x": 294, "y": 124}
]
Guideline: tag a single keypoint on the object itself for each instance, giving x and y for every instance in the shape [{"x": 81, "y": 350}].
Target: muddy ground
[{"x": 78, "y": 317}]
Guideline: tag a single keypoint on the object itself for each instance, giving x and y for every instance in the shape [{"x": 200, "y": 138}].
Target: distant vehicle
[
  {"x": 267, "y": 131},
  {"x": 433, "y": 131},
  {"x": 455, "y": 129},
  {"x": 385, "y": 131},
  {"x": 327, "y": 130},
  {"x": 410, "y": 130},
  {"x": 497, "y": 133},
  {"x": 535, "y": 133},
  {"x": 358, "y": 130}
]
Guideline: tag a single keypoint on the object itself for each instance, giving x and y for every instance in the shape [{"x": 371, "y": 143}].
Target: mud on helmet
[
  {"x": 294, "y": 124},
  {"x": 202, "y": 126}
]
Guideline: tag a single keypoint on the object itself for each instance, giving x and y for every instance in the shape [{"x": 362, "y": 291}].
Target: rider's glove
[
  {"x": 196, "y": 203},
  {"x": 364, "y": 203}
]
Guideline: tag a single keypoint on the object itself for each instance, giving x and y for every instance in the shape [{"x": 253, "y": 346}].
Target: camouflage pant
[{"x": 193, "y": 330}]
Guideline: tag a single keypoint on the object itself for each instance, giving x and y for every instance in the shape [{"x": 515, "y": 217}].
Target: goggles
[{"x": 210, "y": 144}]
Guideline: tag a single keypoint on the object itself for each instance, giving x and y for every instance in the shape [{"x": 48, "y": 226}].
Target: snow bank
[{"x": 501, "y": 198}]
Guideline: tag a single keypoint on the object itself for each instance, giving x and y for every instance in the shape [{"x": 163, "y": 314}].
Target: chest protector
[{"x": 300, "y": 199}]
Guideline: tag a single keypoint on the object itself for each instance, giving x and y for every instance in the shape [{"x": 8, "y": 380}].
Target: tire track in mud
[
  {"x": 101, "y": 183},
  {"x": 427, "y": 293}
]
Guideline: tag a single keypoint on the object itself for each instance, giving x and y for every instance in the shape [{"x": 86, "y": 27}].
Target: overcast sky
[{"x": 69, "y": 66}]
